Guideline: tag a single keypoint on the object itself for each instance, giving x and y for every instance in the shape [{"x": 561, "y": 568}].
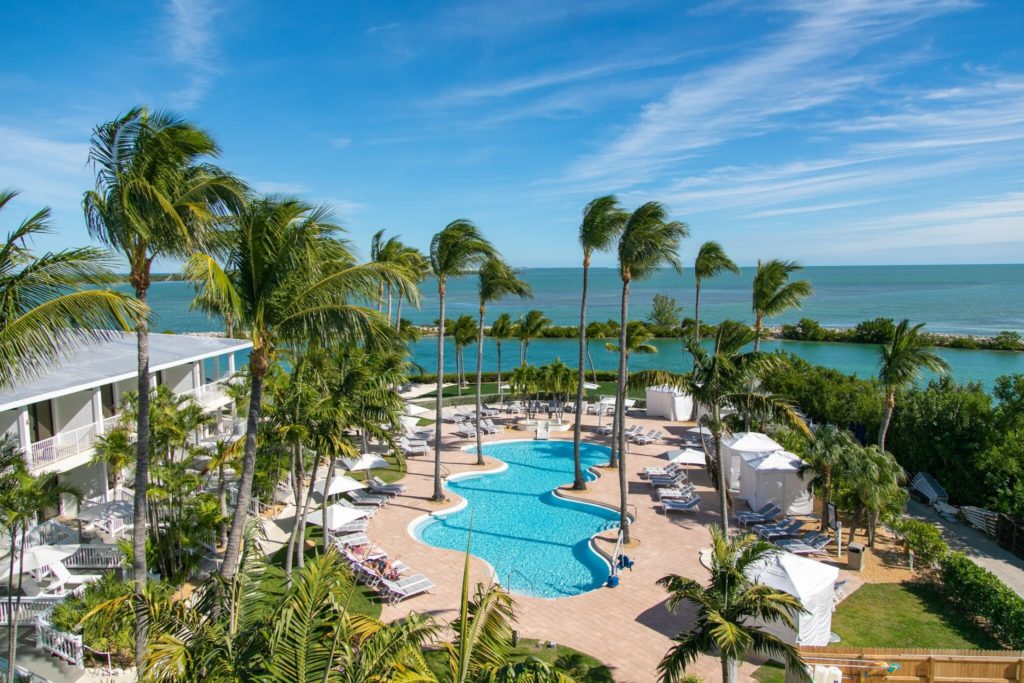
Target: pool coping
[{"x": 557, "y": 492}]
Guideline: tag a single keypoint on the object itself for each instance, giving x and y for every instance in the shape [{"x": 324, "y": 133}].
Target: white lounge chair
[
  {"x": 64, "y": 579},
  {"x": 408, "y": 448},
  {"x": 378, "y": 485},
  {"x": 488, "y": 427},
  {"x": 677, "y": 505},
  {"x": 767, "y": 513},
  {"x": 361, "y": 498},
  {"x": 406, "y": 587},
  {"x": 351, "y": 539},
  {"x": 685, "y": 491},
  {"x": 466, "y": 431}
]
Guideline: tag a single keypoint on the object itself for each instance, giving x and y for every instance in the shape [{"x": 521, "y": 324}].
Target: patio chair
[
  {"x": 685, "y": 491},
  {"x": 378, "y": 485},
  {"x": 670, "y": 469},
  {"x": 649, "y": 437},
  {"x": 677, "y": 505},
  {"x": 604, "y": 430},
  {"x": 466, "y": 431},
  {"x": 792, "y": 528},
  {"x": 812, "y": 543},
  {"x": 353, "y": 527},
  {"x": 361, "y": 498},
  {"x": 488, "y": 427},
  {"x": 408, "y": 448},
  {"x": 370, "y": 510},
  {"x": 396, "y": 591},
  {"x": 347, "y": 540},
  {"x": 766, "y": 513},
  {"x": 669, "y": 480},
  {"x": 63, "y": 579}
]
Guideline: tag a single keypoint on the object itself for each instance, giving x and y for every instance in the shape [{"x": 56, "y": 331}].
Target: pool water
[{"x": 538, "y": 544}]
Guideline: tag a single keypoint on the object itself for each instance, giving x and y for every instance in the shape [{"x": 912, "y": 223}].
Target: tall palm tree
[
  {"x": 711, "y": 261},
  {"x": 529, "y": 326},
  {"x": 559, "y": 380},
  {"x": 595, "y": 330},
  {"x": 638, "y": 337},
  {"x": 53, "y": 300},
  {"x": 773, "y": 292},
  {"x": 501, "y": 329},
  {"x": 831, "y": 446},
  {"x": 870, "y": 484},
  {"x": 416, "y": 266},
  {"x": 902, "y": 360},
  {"x": 649, "y": 241},
  {"x": 115, "y": 450},
  {"x": 723, "y": 379},
  {"x": 463, "y": 333},
  {"x": 295, "y": 281},
  {"x": 156, "y": 196},
  {"x": 454, "y": 252},
  {"x": 496, "y": 281},
  {"x": 728, "y": 608},
  {"x": 603, "y": 221}
]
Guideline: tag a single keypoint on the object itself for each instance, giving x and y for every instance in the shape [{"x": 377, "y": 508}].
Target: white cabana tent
[
  {"x": 337, "y": 516},
  {"x": 809, "y": 580},
  {"x": 736, "y": 446},
  {"x": 775, "y": 478},
  {"x": 668, "y": 402}
]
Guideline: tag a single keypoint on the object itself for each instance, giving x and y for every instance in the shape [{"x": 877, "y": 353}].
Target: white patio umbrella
[
  {"x": 686, "y": 456},
  {"x": 339, "y": 484},
  {"x": 413, "y": 410},
  {"x": 701, "y": 430},
  {"x": 38, "y": 557},
  {"x": 365, "y": 461},
  {"x": 337, "y": 516}
]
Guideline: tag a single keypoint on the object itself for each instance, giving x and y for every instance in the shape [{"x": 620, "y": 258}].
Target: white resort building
[{"x": 58, "y": 415}]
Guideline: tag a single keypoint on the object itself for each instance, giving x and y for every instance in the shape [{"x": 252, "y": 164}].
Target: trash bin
[{"x": 855, "y": 557}]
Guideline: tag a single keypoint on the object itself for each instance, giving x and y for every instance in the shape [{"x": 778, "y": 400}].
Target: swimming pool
[{"x": 537, "y": 543}]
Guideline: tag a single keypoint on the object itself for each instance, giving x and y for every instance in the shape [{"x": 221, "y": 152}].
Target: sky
[{"x": 832, "y": 132}]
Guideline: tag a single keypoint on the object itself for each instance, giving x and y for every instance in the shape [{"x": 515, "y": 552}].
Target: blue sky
[{"x": 838, "y": 132}]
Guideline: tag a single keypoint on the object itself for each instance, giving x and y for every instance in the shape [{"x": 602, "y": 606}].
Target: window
[
  {"x": 107, "y": 400},
  {"x": 40, "y": 416}
]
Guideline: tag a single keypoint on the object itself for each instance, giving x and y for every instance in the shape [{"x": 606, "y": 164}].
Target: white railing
[
  {"x": 29, "y": 609},
  {"x": 206, "y": 393},
  {"x": 94, "y": 557},
  {"x": 66, "y": 646},
  {"x": 63, "y": 445}
]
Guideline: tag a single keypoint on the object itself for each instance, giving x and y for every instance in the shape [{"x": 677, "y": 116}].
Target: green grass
[
  {"x": 905, "y": 615},
  {"x": 771, "y": 673},
  {"x": 583, "y": 667}
]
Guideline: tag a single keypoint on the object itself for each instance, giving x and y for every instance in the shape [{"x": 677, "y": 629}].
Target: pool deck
[{"x": 627, "y": 627}]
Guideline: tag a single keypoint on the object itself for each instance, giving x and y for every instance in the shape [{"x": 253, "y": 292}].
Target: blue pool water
[{"x": 529, "y": 535}]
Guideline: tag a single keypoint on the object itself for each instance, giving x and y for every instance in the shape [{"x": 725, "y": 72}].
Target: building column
[
  {"x": 231, "y": 364},
  {"x": 216, "y": 367},
  {"x": 97, "y": 410},
  {"x": 25, "y": 435},
  {"x": 197, "y": 378}
]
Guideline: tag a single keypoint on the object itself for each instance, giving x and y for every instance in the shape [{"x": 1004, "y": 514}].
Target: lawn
[
  {"x": 583, "y": 668},
  {"x": 897, "y": 615}
]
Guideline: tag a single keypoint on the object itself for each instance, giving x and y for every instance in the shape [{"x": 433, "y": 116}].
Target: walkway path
[{"x": 982, "y": 549}]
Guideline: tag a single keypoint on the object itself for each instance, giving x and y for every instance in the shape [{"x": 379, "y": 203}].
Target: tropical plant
[
  {"x": 156, "y": 196},
  {"x": 115, "y": 450},
  {"x": 869, "y": 484},
  {"x": 384, "y": 251},
  {"x": 649, "y": 241},
  {"x": 558, "y": 379},
  {"x": 416, "y": 266},
  {"x": 528, "y": 327},
  {"x": 729, "y": 609},
  {"x": 830, "y": 447},
  {"x": 51, "y": 301},
  {"x": 723, "y": 380},
  {"x": 295, "y": 281},
  {"x": 665, "y": 314},
  {"x": 710, "y": 262},
  {"x": 524, "y": 383},
  {"x": 602, "y": 223},
  {"x": 114, "y": 635},
  {"x": 464, "y": 333},
  {"x": 596, "y": 330},
  {"x": 902, "y": 360},
  {"x": 501, "y": 329},
  {"x": 774, "y": 293},
  {"x": 454, "y": 252},
  {"x": 496, "y": 281}
]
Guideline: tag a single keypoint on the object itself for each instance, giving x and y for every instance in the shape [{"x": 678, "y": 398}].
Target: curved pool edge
[{"x": 557, "y": 492}]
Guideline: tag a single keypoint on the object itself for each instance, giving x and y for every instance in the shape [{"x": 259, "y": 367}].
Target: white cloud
[
  {"x": 274, "y": 187},
  {"x": 340, "y": 143},
  {"x": 47, "y": 171},
  {"x": 190, "y": 35}
]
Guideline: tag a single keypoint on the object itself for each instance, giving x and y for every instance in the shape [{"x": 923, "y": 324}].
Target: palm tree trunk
[
  {"x": 258, "y": 362},
  {"x": 398, "y": 316},
  {"x": 590, "y": 357},
  {"x": 12, "y": 654},
  {"x": 497, "y": 342},
  {"x": 222, "y": 496},
  {"x": 479, "y": 384},
  {"x": 300, "y": 550},
  {"x": 522, "y": 356},
  {"x": 729, "y": 670},
  {"x": 757, "y": 332},
  {"x": 526, "y": 352},
  {"x": 458, "y": 369},
  {"x": 438, "y": 493},
  {"x": 380, "y": 297},
  {"x": 620, "y": 409},
  {"x": 327, "y": 487},
  {"x": 12, "y": 633},
  {"x": 696, "y": 339},
  {"x": 389, "y": 305},
  {"x": 141, "y": 490},
  {"x": 890, "y": 404},
  {"x": 299, "y": 482},
  {"x": 578, "y": 483},
  {"x": 723, "y": 487}
]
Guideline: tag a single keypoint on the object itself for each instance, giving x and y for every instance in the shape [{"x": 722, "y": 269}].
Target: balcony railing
[{"x": 67, "y": 444}]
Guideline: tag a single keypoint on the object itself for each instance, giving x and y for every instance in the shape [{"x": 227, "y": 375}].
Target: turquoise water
[{"x": 538, "y": 544}]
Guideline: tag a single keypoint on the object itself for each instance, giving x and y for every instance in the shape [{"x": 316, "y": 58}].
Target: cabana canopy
[
  {"x": 775, "y": 478},
  {"x": 735, "y": 446},
  {"x": 809, "y": 580},
  {"x": 668, "y": 402}
]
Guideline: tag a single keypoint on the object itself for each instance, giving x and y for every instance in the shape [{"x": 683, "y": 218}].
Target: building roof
[{"x": 90, "y": 365}]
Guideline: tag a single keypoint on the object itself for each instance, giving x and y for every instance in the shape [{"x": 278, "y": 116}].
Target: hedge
[
  {"x": 923, "y": 539},
  {"x": 980, "y": 593}
]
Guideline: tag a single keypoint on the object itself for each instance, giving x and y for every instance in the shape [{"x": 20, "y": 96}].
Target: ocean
[{"x": 975, "y": 299}]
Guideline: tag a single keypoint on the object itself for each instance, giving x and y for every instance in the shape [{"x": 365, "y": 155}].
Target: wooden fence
[{"x": 868, "y": 665}]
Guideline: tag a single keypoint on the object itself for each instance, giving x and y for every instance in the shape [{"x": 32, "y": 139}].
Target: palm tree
[
  {"x": 116, "y": 451},
  {"x": 559, "y": 380},
  {"x": 728, "y": 609},
  {"x": 869, "y": 483},
  {"x": 501, "y": 329},
  {"x": 454, "y": 252},
  {"x": 156, "y": 196},
  {"x": 649, "y": 241},
  {"x": 638, "y": 336},
  {"x": 723, "y": 379},
  {"x": 531, "y": 325},
  {"x": 902, "y": 360},
  {"x": 295, "y": 281},
  {"x": 773, "y": 293},
  {"x": 830, "y": 447},
  {"x": 496, "y": 281},
  {"x": 416, "y": 266},
  {"x": 711, "y": 261},
  {"x": 603, "y": 221},
  {"x": 463, "y": 333},
  {"x": 49, "y": 302},
  {"x": 524, "y": 382},
  {"x": 595, "y": 330}
]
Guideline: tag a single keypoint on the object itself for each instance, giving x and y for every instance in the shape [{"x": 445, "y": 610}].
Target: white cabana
[
  {"x": 668, "y": 402},
  {"x": 775, "y": 478},
  {"x": 736, "y": 446},
  {"x": 809, "y": 580},
  {"x": 339, "y": 484},
  {"x": 337, "y": 516}
]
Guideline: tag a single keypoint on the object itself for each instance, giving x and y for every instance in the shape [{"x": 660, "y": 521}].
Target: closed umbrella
[{"x": 337, "y": 516}]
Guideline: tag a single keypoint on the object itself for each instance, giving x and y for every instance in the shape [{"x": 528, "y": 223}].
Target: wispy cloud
[
  {"x": 340, "y": 143},
  {"x": 391, "y": 26},
  {"x": 810, "y": 208},
  {"x": 802, "y": 69},
  {"x": 47, "y": 171},
  {"x": 190, "y": 35},
  {"x": 274, "y": 187},
  {"x": 495, "y": 19}
]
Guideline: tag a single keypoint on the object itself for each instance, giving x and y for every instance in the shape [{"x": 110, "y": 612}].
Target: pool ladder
[{"x": 508, "y": 583}]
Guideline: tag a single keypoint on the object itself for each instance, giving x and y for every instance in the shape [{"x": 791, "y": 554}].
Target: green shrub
[
  {"x": 112, "y": 631},
  {"x": 980, "y": 593},
  {"x": 923, "y": 539}
]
